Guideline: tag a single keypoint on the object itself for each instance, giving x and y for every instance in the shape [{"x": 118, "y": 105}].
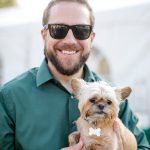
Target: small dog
[{"x": 99, "y": 107}]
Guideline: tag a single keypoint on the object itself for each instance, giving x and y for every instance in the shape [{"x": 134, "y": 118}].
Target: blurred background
[{"x": 121, "y": 50}]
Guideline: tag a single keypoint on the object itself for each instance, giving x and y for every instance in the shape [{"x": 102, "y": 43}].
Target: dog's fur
[{"x": 99, "y": 107}]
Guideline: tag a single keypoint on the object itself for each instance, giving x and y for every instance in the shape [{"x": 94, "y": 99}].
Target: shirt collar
[
  {"x": 88, "y": 74},
  {"x": 43, "y": 74}
]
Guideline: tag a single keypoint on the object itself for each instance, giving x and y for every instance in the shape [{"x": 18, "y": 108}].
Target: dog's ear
[
  {"x": 76, "y": 85},
  {"x": 123, "y": 92}
]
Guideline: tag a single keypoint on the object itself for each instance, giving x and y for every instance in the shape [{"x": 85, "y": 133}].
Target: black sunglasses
[{"x": 59, "y": 31}]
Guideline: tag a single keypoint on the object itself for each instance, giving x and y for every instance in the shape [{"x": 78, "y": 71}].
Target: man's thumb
[{"x": 79, "y": 145}]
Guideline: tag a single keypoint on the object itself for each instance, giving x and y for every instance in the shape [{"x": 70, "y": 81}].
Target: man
[{"x": 37, "y": 109}]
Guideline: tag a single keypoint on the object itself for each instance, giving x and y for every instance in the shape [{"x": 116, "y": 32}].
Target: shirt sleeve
[
  {"x": 130, "y": 121},
  {"x": 7, "y": 129}
]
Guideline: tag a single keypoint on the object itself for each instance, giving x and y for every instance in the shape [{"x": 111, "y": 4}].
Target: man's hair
[{"x": 46, "y": 13}]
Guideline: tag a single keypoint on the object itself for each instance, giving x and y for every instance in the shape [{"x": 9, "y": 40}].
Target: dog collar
[{"x": 95, "y": 131}]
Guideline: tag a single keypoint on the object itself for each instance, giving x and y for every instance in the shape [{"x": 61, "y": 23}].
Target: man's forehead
[{"x": 71, "y": 12}]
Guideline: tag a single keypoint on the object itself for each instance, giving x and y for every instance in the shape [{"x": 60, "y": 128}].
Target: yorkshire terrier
[{"x": 99, "y": 107}]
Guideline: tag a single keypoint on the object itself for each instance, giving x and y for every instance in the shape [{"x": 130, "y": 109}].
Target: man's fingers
[
  {"x": 116, "y": 128},
  {"x": 75, "y": 147},
  {"x": 79, "y": 145}
]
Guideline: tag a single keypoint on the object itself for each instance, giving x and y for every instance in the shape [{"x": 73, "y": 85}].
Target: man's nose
[{"x": 69, "y": 38}]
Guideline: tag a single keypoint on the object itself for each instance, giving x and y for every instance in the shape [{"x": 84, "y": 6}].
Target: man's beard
[{"x": 59, "y": 67}]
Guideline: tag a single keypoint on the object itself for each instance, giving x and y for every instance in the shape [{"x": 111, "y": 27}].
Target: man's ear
[
  {"x": 92, "y": 36},
  {"x": 43, "y": 33}
]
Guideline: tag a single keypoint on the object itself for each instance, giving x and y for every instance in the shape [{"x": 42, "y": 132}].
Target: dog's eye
[
  {"x": 92, "y": 100},
  {"x": 109, "y": 102}
]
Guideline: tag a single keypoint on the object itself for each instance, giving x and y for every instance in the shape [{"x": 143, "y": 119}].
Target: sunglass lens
[
  {"x": 58, "y": 31},
  {"x": 82, "y": 32}
]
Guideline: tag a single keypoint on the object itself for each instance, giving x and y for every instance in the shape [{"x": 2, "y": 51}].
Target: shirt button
[
  {"x": 74, "y": 122},
  {"x": 72, "y": 97}
]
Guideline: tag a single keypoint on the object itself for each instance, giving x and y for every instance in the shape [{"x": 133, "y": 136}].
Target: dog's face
[{"x": 98, "y": 100}]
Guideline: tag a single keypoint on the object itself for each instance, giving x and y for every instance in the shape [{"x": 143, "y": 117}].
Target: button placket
[{"x": 73, "y": 112}]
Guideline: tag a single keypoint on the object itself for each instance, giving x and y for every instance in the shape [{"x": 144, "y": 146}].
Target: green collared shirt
[{"x": 38, "y": 113}]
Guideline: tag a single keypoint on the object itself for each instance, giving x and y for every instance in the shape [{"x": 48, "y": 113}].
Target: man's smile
[{"x": 68, "y": 52}]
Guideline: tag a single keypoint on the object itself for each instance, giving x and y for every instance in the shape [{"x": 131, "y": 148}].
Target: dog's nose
[{"x": 101, "y": 107}]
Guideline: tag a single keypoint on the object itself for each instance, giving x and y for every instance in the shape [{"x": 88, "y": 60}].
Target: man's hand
[
  {"x": 75, "y": 147},
  {"x": 116, "y": 128}
]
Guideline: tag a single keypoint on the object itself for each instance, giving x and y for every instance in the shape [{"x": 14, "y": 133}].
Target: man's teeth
[{"x": 69, "y": 52}]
